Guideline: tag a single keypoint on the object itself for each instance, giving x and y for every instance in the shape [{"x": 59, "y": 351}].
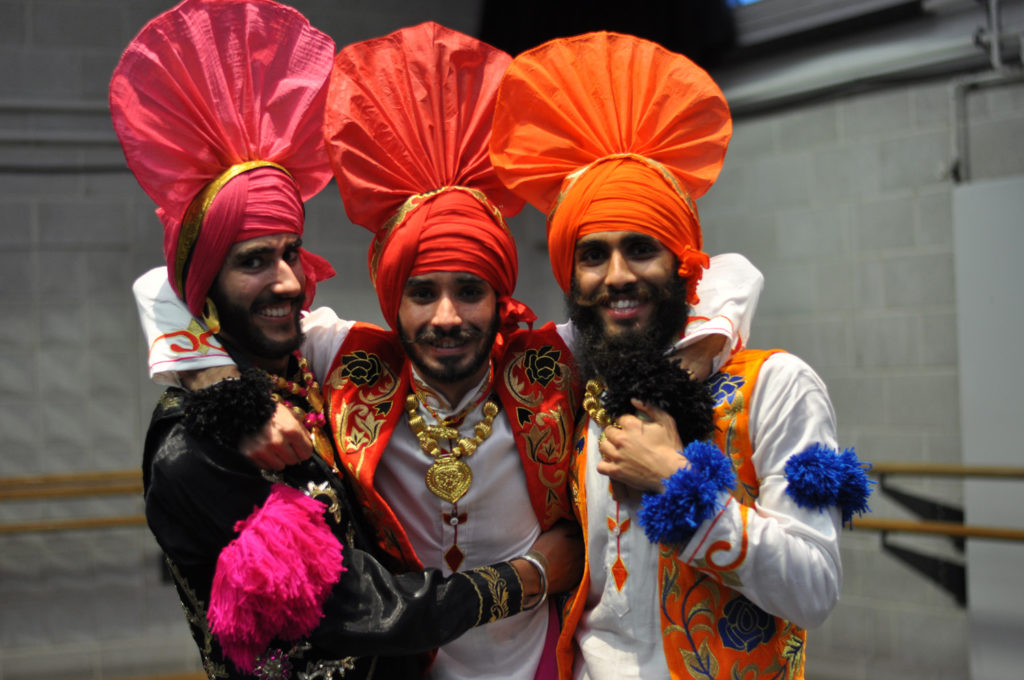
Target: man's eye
[
  {"x": 252, "y": 263},
  {"x": 291, "y": 256},
  {"x": 591, "y": 256},
  {"x": 420, "y": 294},
  {"x": 471, "y": 293},
  {"x": 642, "y": 250}
]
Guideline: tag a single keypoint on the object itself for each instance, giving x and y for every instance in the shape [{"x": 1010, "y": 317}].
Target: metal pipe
[{"x": 995, "y": 40}]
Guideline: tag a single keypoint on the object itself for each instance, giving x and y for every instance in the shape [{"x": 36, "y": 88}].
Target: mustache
[
  {"x": 274, "y": 299},
  {"x": 433, "y": 335},
  {"x": 643, "y": 293}
]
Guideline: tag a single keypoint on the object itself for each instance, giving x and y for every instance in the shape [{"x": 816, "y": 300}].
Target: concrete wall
[{"x": 844, "y": 204}]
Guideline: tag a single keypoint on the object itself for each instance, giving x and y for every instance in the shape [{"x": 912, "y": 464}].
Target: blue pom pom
[
  {"x": 690, "y": 496},
  {"x": 856, "y": 487},
  {"x": 820, "y": 478}
]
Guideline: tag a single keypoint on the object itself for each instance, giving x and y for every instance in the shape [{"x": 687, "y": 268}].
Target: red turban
[
  {"x": 218, "y": 107},
  {"x": 608, "y": 132},
  {"x": 407, "y": 125}
]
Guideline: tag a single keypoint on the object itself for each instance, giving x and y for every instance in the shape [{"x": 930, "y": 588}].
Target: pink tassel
[{"x": 273, "y": 578}]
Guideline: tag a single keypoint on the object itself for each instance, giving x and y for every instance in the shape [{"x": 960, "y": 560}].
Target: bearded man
[
  {"x": 717, "y": 543},
  {"x": 269, "y": 568}
]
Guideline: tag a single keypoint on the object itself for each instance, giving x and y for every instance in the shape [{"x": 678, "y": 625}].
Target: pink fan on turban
[{"x": 209, "y": 85}]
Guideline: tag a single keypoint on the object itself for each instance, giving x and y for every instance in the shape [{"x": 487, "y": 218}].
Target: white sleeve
[
  {"x": 177, "y": 342},
  {"x": 325, "y": 333},
  {"x": 792, "y": 566},
  {"x": 728, "y": 294}
]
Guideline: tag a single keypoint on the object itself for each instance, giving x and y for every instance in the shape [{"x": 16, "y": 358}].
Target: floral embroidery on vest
[
  {"x": 540, "y": 393},
  {"x": 710, "y": 629}
]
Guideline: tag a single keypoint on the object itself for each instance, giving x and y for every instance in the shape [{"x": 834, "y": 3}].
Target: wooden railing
[
  {"x": 71, "y": 486},
  {"x": 938, "y": 519},
  {"x": 942, "y": 528}
]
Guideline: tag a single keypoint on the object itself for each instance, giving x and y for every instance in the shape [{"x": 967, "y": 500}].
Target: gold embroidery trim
[
  {"x": 192, "y": 223},
  {"x": 415, "y": 201}
]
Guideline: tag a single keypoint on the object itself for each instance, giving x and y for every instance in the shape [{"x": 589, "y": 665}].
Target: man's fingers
[{"x": 653, "y": 414}]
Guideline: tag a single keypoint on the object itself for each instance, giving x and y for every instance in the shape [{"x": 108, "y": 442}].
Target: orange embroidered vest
[
  {"x": 708, "y": 630},
  {"x": 534, "y": 378}
]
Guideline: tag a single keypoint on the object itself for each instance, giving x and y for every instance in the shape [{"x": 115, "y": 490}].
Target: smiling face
[
  {"x": 447, "y": 322},
  {"x": 618, "y": 274},
  {"x": 258, "y": 294}
]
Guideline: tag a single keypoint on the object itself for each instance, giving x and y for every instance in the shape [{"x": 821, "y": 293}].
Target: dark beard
[
  {"x": 450, "y": 371},
  {"x": 632, "y": 362},
  {"x": 238, "y": 330}
]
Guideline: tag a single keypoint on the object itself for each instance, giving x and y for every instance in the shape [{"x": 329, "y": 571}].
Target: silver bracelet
[{"x": 540, "y": 563}]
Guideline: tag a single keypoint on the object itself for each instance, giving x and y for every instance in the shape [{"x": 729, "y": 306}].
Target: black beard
[
  {"x": 450, "y": 371},
  {"x": 240, "y": 332},
  {"x": 632, "y": 363}
]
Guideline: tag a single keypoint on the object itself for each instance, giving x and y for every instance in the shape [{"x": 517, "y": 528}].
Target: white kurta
[{"x": 792, "y": 568}]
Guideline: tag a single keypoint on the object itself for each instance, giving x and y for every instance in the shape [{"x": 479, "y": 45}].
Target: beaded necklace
[{"x": 312, "y": 419}]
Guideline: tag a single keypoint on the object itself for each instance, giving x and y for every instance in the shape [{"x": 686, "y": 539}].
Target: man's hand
[
  {"x": 562, "y": 545},
  {"x": 698, "y": 357},
  {"x": 642, "y": 451},
  {"x": 282, "y": 441}
]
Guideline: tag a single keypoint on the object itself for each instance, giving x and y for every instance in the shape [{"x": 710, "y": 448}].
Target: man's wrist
[
  {"x": 532, "y": 570},
  {"x": 204, "y": 377}
]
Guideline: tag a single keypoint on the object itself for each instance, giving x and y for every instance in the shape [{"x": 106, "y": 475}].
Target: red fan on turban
[
  {"x": 604, "y": 132},
  {"x": 407, "y": 125},
  {"x": 218, "y": 106}
]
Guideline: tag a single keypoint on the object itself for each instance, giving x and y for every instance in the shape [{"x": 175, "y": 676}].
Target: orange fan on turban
[
  {"x": 218, "y": 105},
  {"x": 407, "y": 125},
  {"x": 609, "y": 132}
]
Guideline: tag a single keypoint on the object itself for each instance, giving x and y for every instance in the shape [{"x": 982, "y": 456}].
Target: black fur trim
[
  {"x": 230, "y": 409},
  {"x": 658, "y": 381}
]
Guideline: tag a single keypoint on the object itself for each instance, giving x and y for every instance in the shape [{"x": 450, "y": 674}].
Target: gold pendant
[{"x": 449, "y": 479}]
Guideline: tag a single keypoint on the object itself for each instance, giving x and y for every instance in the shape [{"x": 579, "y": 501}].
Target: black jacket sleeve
[{"x": 196, "y": 491}]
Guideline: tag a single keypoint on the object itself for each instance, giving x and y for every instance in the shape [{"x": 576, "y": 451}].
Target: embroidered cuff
[
  {"x": 820, "y": 478},
  {"x": 690, "y": 496},
  {"x": 272, "y": 580},
  {"x": 228, "y": 410},
  {"x": 499, "y": 589}
]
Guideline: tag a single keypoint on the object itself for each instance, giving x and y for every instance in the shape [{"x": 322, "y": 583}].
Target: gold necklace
[
  {"x": 313, "y": 419},
  {"x": 449, "y": 478},
  {"x": 592, "y": 403}
]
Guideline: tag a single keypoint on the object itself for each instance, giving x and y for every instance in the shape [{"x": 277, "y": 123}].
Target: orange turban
[
  {"x": 407, "y": 125},
  {"x": 609, "y": 132},
  {"x": 218, "y": 108}
]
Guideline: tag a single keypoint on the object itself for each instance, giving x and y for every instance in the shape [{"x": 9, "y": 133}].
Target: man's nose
[
  {"x": 619, "y": 272},
  {"x": 289, "y": 280},
  {"x": 446, "y": 314}
]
